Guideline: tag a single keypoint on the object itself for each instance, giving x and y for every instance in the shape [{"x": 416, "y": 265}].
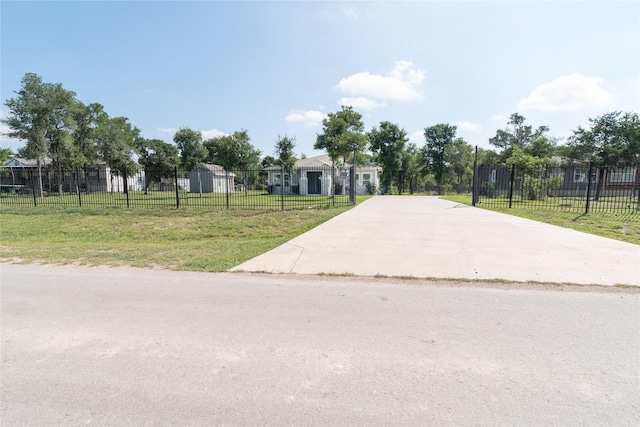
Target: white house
[
  {"x": 314, "y": 176},
  {"x": 214, "y": 179}
]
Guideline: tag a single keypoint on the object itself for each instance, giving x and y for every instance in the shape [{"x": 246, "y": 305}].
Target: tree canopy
[
  {"x": 387, "y": 142},
  {"x": 342, "y": 134}
]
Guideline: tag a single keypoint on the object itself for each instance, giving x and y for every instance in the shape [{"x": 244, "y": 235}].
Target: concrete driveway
[{"x": 432, "y": 238}]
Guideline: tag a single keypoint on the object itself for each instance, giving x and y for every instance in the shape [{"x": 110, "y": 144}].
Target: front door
[{"x": 313, "y": 179}]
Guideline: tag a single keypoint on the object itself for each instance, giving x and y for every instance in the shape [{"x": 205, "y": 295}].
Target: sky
[{"x": 277, "y": 68}]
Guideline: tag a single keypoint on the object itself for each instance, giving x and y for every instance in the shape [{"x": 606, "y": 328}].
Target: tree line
[{"x": 57, "y": 127}]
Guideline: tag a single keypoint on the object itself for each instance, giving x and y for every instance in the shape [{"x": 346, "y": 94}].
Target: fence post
[
  {"x": 175, "y": 181},
  {"x": 227, "y": 185},
  {"x": 513, "y": 171},
  {"x": 586, "y": 209},
  {"x": 282, "y": 187},
  {"x": 33, "y": 188},
  {"x": 78, "y": 187},
  {"x": 124, "y": 184},
  {"x": 474, "y": 189}
]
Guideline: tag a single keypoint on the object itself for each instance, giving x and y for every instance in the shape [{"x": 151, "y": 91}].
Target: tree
[
  {"x": 235, "y": 152},
  {"x": 459, "y": 156},
  {"x": 411, "y": 170},
  {"x": 39, "y": 116},
  {"x": 267, "y": 161},
  {"x": 116, "y": 142},
  {"x": 192, "y": 152},
  {"x": 517, "y": 134},
  {"x": 60, "y": 127},
  {"x": 284, "y": 152},
  {"x": 437, "y": 138},
  {"x": 342, "y": 134},
  {"x": 612, "y": 138},
  {"x": 86, "y": 118},
  {"x": 159, "y": 158},
  {"x": 5, "y": 154},
  {"x": 387, "y": 143}
]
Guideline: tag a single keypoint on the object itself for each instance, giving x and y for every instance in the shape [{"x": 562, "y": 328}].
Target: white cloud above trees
[
  {"x": 469, "y": 127},
  {"x": 373, "y": 90},
  {"x": 566, "y": 93},
  {"x": 309, "y": 118}
]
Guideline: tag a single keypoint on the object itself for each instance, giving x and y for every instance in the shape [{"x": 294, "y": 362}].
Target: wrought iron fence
[
  {"x": 211, "y": 187},
  {"x": 580, "y": 188}
]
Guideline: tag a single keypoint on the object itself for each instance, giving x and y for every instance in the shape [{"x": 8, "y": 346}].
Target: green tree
[
  {"x": 5, "y": 154},
  {"x": 459, "y": 157},
  {"x": 411, "y": 171},
  {"x": 158, "y": 158},
  {"x": 235, "y": 152},
  {"x": 284, "y": 152},
  {"x": 86, "y": 118},
  {"x": 612, "y": 138},
  {"x": 517, "y": 134},
  {"x": 437, "y": 137},
  {"x": 116, "y": 143},
  {"x": 192, "y": 152},
  {"x": 34, "y": 115},
  {"x": 342, "y": 134},
  {"x": 387, "y": 143}
]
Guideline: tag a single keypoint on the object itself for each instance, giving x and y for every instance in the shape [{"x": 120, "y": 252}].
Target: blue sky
[{"x": 277, "y": 68}]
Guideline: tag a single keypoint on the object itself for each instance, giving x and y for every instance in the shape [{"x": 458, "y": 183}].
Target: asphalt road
[{"x": 97, "y": 346}]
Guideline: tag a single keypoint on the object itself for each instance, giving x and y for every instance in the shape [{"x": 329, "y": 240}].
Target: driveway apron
[{"x": 428, "y": 237}]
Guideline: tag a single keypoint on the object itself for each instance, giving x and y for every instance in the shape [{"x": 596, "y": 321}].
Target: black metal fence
[
  {"x": 211, "y": 187},
  {"x": 580, "y": 188}
]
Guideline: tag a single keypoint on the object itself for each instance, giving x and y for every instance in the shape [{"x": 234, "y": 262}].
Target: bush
[{"x": 371, "y": 189}]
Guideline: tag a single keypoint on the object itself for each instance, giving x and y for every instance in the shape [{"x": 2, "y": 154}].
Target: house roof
[
  {"x": 217, "y": 170},
  {"x": 321, "y": 161},
  {"x": 19, "y": 162}
]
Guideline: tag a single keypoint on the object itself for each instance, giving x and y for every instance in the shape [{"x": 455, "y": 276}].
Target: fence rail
[
  {"x": 580, "y": 188},
  {"x": 210, "y": 187}
]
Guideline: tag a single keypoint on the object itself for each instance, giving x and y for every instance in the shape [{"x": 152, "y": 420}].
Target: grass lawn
[
  {"x": 196, "y": 240},
  {"x": 614, "y": 226}
]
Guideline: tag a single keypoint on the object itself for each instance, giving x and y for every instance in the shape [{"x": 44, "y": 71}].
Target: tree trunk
[
  {"x": 601, "y": 178},
  {"x": 59, "y": 169},
  {"x": 200, "y": 184},
  {"x": 40, "y": 192}
]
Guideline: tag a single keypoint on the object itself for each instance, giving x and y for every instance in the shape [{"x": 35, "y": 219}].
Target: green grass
[
  {"x": 614, "y": 226},
  {"x": 167, "y": 199},
  {"x": 185, "y": 239}
]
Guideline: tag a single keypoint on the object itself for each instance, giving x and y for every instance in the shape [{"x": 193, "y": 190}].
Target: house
[
  {"x": 90, "y": 179},
  {"x": 315, "y": 176},
  {"x": 213, "y": 178},
  {"x": 605, "y": 181}
]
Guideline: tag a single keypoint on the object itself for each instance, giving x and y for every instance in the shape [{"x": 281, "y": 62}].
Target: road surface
[{"x": 100, "y": 346}]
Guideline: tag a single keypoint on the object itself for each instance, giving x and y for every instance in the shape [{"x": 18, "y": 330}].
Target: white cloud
[
  {"x": 469, "y": 127},
  {"x": 497, "y": 117},
  {"x": 351, "y": 13},
  {"x": 166, "y": 132},
  {"x": 417, "y": 137},
  {"x": 373, "y": 89},
  {"x": 361, "y": 102},
  {"x": 212, "y": 133},
  {"x": 310, "y": 118},
  {"x": 567, "y": 93},
  {"x": 5, "y": 142}
]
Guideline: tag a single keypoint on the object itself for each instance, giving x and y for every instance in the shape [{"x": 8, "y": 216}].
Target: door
[{"x": 313, "y": 180}]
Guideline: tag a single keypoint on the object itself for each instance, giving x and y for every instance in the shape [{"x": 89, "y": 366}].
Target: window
[
  {"x": 366, "y": 178},
  {"x": 357, "y": 178},
  {"x": 622, "y": 174},
  {"x": 493, "y": 176},
  {"x": 287, "y": 179},
  {"x": 579, "y": 175}
]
